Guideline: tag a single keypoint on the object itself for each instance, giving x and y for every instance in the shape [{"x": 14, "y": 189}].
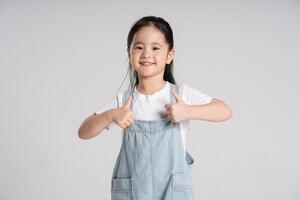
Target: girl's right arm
[{"x": 94, "y": 124}]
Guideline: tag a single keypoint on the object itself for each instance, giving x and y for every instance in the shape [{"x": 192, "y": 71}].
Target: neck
[{"x": 151, "y": 85}]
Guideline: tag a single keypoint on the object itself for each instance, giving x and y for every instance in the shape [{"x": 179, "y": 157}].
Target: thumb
[
  {"x": 128, "y": 102},
  {"x": 177, "y": 97}
]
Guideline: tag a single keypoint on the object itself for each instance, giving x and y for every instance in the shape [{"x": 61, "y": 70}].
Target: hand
[
  {"x": 179, "y": 111},
  {"x": 123, "y": 116}
]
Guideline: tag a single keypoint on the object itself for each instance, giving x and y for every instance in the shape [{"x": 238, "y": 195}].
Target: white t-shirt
[{"x": 152, "y": 107}]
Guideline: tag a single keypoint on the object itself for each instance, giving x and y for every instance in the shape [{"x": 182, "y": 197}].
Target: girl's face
[{"x": 149, "y": 52}]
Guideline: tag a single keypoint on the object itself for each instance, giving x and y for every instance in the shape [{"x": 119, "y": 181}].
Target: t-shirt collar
[{"x": 155, "y": 95}]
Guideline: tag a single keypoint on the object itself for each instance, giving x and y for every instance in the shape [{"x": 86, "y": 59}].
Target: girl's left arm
[{"x": 215, "y": 111}]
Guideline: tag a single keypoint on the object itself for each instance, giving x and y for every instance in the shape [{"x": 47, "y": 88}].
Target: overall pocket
[
  {"x": 122, "y": 189},
  {"x": 182, "y": 187}
]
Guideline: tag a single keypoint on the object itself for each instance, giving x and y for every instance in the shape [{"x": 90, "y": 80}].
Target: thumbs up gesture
[
  {"x": 177, "y": 112},
  {"x": 123, "y": 116}
]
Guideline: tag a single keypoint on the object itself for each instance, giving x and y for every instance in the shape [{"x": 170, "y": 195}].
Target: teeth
[{"x": 146, "y": 63}]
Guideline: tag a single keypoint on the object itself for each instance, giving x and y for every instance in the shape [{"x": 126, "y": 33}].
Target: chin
[{"x": 146, "y": 75}]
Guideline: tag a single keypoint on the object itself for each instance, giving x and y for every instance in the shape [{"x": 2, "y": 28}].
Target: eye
[
  {"x": 138, "y": 47},
  {"x": 155, "y": 48}
]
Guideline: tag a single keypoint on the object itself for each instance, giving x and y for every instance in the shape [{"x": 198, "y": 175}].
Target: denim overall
[{"x": 151, "y": 164}]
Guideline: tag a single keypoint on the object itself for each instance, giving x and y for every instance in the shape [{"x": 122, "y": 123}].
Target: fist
[
  {"x": 177, "y": 112},
  {"x": 123, "y": 116}
]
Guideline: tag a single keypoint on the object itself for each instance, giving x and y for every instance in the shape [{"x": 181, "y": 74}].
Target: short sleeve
[
  {"x": 113, "y": 103},
  {"x": 193, "y": 96}
]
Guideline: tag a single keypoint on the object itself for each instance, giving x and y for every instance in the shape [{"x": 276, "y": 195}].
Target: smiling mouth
[{"x": 146, "y": 63}]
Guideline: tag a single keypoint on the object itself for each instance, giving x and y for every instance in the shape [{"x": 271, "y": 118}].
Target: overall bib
[{"x": 152, "y": 164}]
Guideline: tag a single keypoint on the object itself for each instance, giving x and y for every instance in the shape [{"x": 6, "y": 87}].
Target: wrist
[
  {"x": 110, "y": 115},
  {"x": 189, "y": 112}
]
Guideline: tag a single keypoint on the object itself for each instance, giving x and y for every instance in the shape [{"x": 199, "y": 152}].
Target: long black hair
[{"x": 164, "y": 27}]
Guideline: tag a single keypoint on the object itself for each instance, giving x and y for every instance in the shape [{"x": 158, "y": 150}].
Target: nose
[{"x": 145, "y": 54}]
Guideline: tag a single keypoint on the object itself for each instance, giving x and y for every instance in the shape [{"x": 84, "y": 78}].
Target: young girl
[{"x": 154, "y": 114}]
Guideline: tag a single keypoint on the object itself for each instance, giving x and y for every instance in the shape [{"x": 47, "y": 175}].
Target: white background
[{"x": 62, "y": 60}]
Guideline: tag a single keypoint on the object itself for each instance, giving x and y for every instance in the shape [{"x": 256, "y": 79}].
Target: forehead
[{"x": 149, "y": 35}]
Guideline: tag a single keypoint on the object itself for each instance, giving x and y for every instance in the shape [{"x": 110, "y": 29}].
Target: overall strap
[
  {"x": 174, "y": 88},
  {"x": 125, "y": 97}
]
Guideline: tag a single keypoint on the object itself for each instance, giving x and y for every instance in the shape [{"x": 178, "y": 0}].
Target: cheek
[
  {"x": 131, "y": 58},
  {"x": 160, "y": 57},
  {"x": 163, "y": 54},
  {"x": 135, "y": 55},
  {"x": 136, "y": 58}
]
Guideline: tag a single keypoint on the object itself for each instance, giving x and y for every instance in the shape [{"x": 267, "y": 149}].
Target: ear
[{"x": 170, "y": 56}]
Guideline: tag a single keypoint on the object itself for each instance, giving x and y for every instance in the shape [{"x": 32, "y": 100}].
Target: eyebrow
[{"x": 135, "y": 43}]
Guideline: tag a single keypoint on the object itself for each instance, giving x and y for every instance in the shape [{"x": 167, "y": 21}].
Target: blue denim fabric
[{"x": 151, "y": 164}]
